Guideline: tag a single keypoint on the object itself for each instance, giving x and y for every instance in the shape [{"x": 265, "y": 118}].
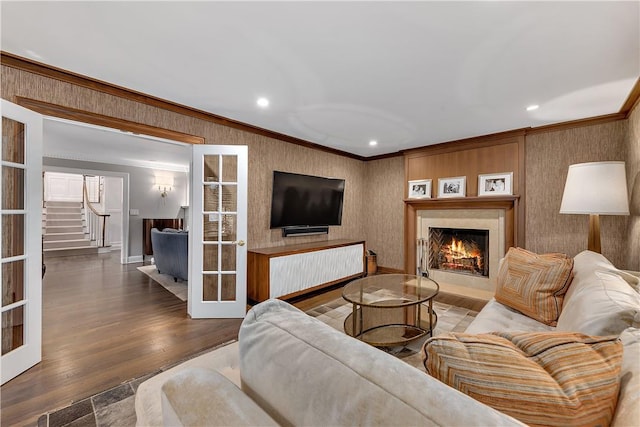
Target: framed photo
[
  {"x": 495, "y": 184},
  {"x": 452, "y": 187},
  {"x": 420, "y": 189}
]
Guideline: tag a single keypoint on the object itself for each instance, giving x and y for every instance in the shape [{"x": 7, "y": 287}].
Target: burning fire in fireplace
[
  {"x": 457, "y": 257},
  {"x": 459, "y": 250}
]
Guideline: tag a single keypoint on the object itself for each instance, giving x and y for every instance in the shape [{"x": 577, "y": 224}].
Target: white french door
[
  {"x": 21, "y": 247},
  {"x": 218, "y": 232}
]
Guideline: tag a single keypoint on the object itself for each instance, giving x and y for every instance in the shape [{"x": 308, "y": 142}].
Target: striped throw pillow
[
  {"x": 534, "y": 284},
  {"x": 539, "y": 378}
]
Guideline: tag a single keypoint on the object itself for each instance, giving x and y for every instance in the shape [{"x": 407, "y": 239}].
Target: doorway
[{"x": 83, "y": 212}]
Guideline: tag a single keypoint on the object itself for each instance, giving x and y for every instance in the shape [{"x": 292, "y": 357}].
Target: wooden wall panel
[
  {"x": 469, "y": 163},
  {"x": 468, "y": 158}
]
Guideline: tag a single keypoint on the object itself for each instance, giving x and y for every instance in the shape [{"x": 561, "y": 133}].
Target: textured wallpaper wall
[
  {"x": 383, "y": 213},
  {"x": 270, "y": 155},
  {"x": 548, "y": 156},
  {"x": 265, "y": 154},
  {"x": 632, "y": 145},
  {"x": 374, "y": 208}
]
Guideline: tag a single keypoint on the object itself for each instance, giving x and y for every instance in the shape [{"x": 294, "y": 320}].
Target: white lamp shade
[{"x": 596, "y": 188}]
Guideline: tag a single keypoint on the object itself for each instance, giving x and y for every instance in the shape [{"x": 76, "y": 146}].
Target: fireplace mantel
[
  {"x": 486, "y": 202},
  {"x": 514, "y": 228}
]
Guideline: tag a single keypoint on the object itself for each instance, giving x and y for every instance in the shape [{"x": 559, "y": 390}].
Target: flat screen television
[{"x": 305, "y": 200}]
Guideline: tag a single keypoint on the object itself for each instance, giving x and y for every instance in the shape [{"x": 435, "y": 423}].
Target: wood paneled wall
[{"x": 469, "y": 158}]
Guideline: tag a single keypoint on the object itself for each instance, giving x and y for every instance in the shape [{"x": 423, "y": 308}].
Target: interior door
[
  {"x": 21, "y": 247},
  {"x": 218, "y": 230}
]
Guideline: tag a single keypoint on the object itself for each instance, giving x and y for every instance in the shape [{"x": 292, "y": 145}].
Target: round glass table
[{"x": 389, "y": 309}]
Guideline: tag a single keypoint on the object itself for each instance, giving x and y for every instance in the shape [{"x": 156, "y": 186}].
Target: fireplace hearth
[{"x": 459, "y": 250}]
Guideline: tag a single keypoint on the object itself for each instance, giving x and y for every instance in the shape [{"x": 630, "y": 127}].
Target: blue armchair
[{"x": 171, "y": 252}]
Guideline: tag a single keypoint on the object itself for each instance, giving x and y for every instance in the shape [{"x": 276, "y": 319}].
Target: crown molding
[
  {"x": 632, "y": 100},
  {"x": 45, "y": 70},
  {"x": 577, "y": 123}
]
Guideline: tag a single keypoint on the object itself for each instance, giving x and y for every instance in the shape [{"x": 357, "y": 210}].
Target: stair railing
[{"x": 96, "y": 221}]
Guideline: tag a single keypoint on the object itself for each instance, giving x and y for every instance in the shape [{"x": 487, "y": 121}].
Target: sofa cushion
[
  {"x": 498, "y": 317},
  {"x": 303, "y": 372},
  {"x": 534, "y": 284},
  {"x": 548, "y": 378},
  {"x": 628, "y": 409},
  {"x": 201, "y": 397},
  {"x": 600, "y": 303},
  {"x": 588, "y": 262},
  {"x": 148, "y": 400}
]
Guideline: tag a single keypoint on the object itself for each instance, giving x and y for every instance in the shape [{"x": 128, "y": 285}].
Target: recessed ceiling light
[
  {"x": 532, "y": 107},
  {"x": 373, "y": 143},
  {"x": 262, "y": 102}
]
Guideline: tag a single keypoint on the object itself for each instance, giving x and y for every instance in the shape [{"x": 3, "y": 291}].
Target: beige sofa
[{"x": 290, "y": 369}]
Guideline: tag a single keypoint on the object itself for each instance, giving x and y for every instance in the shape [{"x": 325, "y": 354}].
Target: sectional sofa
[{"x": 288, "y": 368}]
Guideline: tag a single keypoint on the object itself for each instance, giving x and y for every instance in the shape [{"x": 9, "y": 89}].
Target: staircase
[{"x": 63, "y": 230}]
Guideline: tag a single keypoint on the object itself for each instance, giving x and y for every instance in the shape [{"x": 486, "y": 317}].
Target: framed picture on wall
[
  {"x": 495, "y": 184},
  {"x": 420, "y": 189},
  {"x": 452, "y": 187}
]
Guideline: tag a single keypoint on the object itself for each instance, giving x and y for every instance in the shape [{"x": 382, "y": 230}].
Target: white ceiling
[
  {"x": 69, "y": 140},
  {"x": 338, "y": 74}
]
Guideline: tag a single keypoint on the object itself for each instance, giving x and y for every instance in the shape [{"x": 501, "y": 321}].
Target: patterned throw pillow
[
  {"x": 539, "y": 378},
  {"x": 534, "y": 284}
]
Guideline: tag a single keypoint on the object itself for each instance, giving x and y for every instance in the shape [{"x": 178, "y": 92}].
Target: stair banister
[{"x": 94, "y": 218}]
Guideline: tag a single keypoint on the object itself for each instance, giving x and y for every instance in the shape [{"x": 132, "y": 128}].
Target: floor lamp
[{"x": 598, "y": 188}]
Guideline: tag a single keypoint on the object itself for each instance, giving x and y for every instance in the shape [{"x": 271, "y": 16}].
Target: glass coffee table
[{"x": 388, "y": 309}]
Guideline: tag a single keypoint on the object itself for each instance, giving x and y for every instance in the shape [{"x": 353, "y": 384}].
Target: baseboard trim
[{"x": 136, "y": 258}]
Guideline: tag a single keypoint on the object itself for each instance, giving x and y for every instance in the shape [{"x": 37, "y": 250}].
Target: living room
[{"x": 376, "y": 186}]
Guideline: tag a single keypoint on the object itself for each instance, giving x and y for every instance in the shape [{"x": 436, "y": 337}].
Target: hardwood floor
[{"x": 103, "y": 323}]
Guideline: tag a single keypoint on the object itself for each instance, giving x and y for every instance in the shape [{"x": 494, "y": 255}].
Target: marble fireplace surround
[
  {"x": 492, "y": 220},
  {"x": 498, "y": 214}
]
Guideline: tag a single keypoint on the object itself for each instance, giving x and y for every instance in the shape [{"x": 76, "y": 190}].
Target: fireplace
[{"x": 459, "y": 250}]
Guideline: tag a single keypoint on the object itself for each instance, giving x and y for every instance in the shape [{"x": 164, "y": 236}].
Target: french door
[
  {"x": 218, "y": 230},
  {"x": 21, "y": 247}
]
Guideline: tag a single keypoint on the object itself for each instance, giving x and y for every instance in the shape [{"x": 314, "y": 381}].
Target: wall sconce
[
  {"x": 597, "y": 188},
  {"x": 164, "y": 184}
]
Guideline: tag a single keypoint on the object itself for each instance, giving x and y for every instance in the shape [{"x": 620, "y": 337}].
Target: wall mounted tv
[{"x": 304, "y": 201}]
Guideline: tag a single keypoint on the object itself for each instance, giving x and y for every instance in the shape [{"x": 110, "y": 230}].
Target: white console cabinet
[{"x": 292, "y": 270}]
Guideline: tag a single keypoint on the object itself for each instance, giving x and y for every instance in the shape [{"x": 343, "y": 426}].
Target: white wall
[
  {"x": 143, "y": 194},
  {"x": 62, "y": 187},
  {"x": 113, "y": 207}
]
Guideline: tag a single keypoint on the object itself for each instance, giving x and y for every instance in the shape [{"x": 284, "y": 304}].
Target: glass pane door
[
  {"x": 21, "y": 251},
  {"x": 217, "y": 280}
]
